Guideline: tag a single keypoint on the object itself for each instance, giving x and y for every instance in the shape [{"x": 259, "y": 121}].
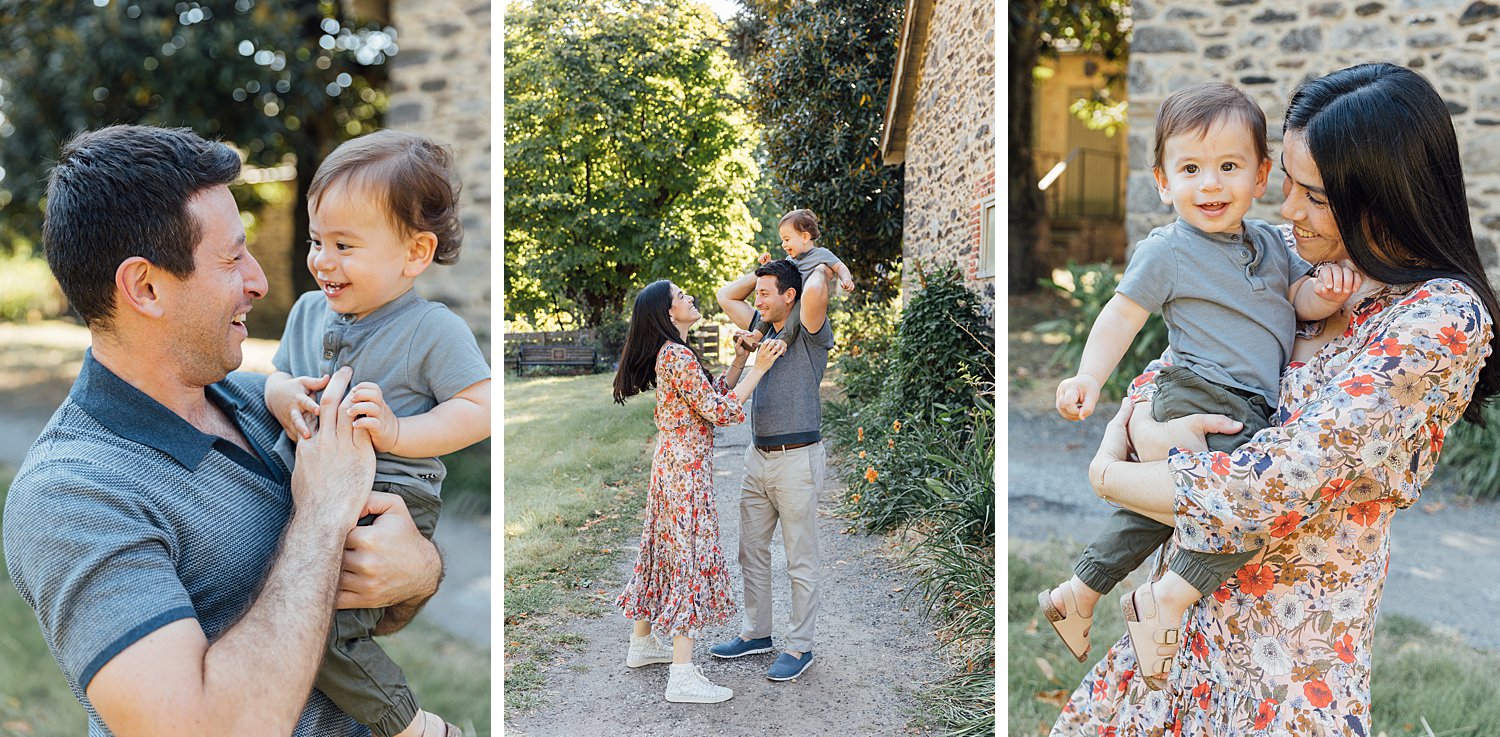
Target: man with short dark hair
[
  {"x": 785, "y": 464},
  {"x": 183, "y": 576}
]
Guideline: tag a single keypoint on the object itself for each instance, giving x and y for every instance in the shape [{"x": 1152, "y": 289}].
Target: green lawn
[
  {"x": 450, "y": 676},
  {"x": 1418, "y": 673},
  {"x": 575, "y": 472}
]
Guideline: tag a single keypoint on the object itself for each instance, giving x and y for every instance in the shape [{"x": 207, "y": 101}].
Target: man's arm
[
  {"x": 256, "y": 677},
  {"x": 731, "y": 298},
  {"x": 814, "y": 299}
]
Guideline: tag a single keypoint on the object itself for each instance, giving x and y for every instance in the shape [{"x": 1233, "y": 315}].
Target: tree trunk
[{"x": 1027, "y": 208}]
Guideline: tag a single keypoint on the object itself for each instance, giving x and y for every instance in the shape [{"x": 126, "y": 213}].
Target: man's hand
[
  {"x": 370, "y": 412},
  {"x": 293, "y": 401},
  {"x": 1077, "y": 396},
  {"x": 336, "y": 465},
  {"x": 387, "y": 562}
]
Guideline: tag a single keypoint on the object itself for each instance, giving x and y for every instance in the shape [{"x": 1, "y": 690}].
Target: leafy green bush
[
  {"x": 1469, "y": 458},
  {"x": 915, "y": 432},
  {"x": 27, "y": 290},
  {"x": 1091, "y": 287}
]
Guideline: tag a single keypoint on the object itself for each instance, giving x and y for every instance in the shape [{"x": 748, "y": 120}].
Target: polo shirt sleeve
[
  {"x": 1151, "y": 274},
  {"x": 444, "y": 355},
  {"x": 94, "y": 560}
]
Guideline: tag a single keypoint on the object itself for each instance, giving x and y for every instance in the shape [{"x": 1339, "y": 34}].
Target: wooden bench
[{"x": 555, "y": 355}]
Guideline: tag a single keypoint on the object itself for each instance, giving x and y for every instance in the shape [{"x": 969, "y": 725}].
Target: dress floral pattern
[
  {"x": 1284, "y": 647},
  {"x": 681, "y": 581}
]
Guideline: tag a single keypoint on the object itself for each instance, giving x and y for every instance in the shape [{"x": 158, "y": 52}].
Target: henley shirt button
[{"x": 328, "y": 354}]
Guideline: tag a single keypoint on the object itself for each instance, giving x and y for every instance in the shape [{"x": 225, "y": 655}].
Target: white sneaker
[
  {"x": 646, "y": 651},
  {"x": 688, "y": 685}
]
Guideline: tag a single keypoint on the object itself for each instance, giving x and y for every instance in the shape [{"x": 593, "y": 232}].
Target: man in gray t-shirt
[{"x": 785, "y": 464}]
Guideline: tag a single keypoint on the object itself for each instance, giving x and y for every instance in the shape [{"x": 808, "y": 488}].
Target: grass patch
[
  {"x": 1418, "y": 673},
  {"x": 450, "y": 676},
  {"x": 566, "y": 509}
]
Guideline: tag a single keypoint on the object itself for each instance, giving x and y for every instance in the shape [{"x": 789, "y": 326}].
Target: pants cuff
[
  {"x": 403, "y": 709},
  {"x": 1198, "y": 569},
  {"x": 1095, "y": 576}
]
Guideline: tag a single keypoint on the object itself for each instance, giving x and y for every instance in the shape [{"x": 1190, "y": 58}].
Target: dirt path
[
  {"x": 1439, "y": 548},
  {"x": 874, "y": 649}
]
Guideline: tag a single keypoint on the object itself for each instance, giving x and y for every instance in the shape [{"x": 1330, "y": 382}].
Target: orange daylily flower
[{"x": 871, "y": 475}]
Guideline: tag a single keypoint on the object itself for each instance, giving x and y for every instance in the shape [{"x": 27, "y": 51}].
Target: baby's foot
[{"x": 1084, "y": 596}]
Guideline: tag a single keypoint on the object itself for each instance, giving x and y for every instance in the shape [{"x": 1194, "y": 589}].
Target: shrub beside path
[
  {"x": 1445, "y": 553},
  {"x": 874, "y": 650}
]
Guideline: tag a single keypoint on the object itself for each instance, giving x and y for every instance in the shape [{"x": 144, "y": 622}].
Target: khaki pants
[{"x": 782, "y": 486}]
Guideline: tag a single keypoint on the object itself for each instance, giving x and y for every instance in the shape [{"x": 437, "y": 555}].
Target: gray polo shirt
[
  {"x": 124, "y": 518},
  {"x": 785, "y": 408},
  {"x": 418, "y": 352},
  {"x": 812, "y": 258},
  {"x": 1224, "y": 299}
]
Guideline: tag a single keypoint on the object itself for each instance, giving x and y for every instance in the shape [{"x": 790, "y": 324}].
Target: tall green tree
[
  {"x": 819, "y": 75},
  {"x": 285, "y": 82},
  {"x": 1040, "y": 28},
  {"x": 628, "y": 155}
]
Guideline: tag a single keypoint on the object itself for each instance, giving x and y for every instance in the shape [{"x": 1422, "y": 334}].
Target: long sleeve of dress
[
  {"x": 677, "y": 367},
  {"x": 1370, "y": 435}
]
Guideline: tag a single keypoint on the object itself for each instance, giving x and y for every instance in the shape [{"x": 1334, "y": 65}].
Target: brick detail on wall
[
  {"x": 440, "y": 87},
  {"x": 950, "y": 149},
  {"x": 1267, "y": 47}
]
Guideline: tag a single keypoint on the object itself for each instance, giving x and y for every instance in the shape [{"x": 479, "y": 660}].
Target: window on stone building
[{"x": 987, "y": 226}]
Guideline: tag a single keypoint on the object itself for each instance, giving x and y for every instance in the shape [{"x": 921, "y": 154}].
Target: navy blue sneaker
[
  {"x": 787, "y": 667},
  {"x": 740, "y": 647}
]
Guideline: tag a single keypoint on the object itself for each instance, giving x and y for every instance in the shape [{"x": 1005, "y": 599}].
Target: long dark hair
[
  {"x": 1384, "y": 143},
  {"x": 651, "y": 327}
]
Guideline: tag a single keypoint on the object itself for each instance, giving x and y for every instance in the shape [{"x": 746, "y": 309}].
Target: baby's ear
[
  {"x": 1161, "y": 185},
  {"x": 420, "y": 249}
]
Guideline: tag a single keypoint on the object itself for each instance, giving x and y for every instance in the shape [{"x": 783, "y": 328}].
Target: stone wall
[
  {"x": 1267, "y": 47},
  {"x": 440, "y": 87},
  {"x": 950, "y": 146}
]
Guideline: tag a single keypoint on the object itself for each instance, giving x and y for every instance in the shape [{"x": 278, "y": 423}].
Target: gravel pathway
[
  {"x": 874, "y": 650},
  {"x": 1443, "y": 554}
]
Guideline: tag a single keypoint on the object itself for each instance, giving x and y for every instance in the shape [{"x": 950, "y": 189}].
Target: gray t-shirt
[
  {"x": 785, "y": 408},
  {"x": 1224, "y": 299},
  {"x": 812, "y": 258},
  {"x": 419, "y": 353}
]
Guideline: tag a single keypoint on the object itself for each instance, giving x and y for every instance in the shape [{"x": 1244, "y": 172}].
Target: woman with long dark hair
[
  {"x": 1372, "y": 181},
  {"x": 681, "y": 582}
]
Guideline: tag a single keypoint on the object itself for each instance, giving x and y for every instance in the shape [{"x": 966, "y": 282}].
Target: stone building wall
[
  {"x": 440, "y": 87},
  {"x": 950, "y": 148},
  {"x": 1267, "y": 47}
]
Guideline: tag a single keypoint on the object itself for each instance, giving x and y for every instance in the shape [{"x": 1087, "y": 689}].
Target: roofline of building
[{"x": 905, "y": 79}]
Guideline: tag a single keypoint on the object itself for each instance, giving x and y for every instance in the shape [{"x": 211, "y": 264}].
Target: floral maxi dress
[
  {"x": 1284, "y": 646},
  {"x": 681, "y": 582}
]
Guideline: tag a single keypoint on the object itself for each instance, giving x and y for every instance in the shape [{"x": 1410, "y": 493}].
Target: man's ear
[
  {"x": 136, "y": 287},
  {"x": 420, "y": 250}
]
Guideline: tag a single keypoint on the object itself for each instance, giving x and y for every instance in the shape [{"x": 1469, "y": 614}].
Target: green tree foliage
[
  {"x": 628, "y": 155},
  {"x": 820, "y": 75},
  {"x": 1043, "y": 28},
  {"x": 282, "y": 81}
]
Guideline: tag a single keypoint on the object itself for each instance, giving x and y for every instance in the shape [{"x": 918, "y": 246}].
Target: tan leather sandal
[
  {"x": 1071, "y": 626},
  {"x": 1143, "y": 623}
]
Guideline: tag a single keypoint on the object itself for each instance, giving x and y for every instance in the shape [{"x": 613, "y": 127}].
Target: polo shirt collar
[
  {"x": 381, "y": 313},
  {"x": 132, "y": 414},
  {"x": 1228, "y": 239}
]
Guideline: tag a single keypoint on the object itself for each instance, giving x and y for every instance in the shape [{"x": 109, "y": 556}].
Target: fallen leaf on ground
[
  {"x": 898, "y": 589},
  {"x": 1031, "y": 627},
  {"x": 1047, "y": 671},
  {"x": 1058, "y": 698}
]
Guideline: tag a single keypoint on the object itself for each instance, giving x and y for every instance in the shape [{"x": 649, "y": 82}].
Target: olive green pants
[
  {"x": 1129, "y": 538},
  {"x": 356, "y": 674}
]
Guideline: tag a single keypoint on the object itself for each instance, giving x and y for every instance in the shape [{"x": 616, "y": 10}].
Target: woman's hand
[
  {"x": 744, "y": 341},
  {"x": 1189, "y": 433},
  {"x": 769, "y": 351},
  {"x": 1114, "y": 447}
]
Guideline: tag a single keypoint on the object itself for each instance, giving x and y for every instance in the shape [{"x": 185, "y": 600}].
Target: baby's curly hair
[
  {"x": 804, "y": 221},
  {"x": 416, "y": 176}
]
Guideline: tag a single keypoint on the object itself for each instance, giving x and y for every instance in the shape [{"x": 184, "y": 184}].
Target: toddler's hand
[
  {"x": 294, "y": 403},
  {"x": 368, "y": 404},
  {"x": 846, "y": 285},
  {"x": 1335, "y": 283},
  {"x": 1077, "y": 396},
  {"x": 765, "y": 258}
]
